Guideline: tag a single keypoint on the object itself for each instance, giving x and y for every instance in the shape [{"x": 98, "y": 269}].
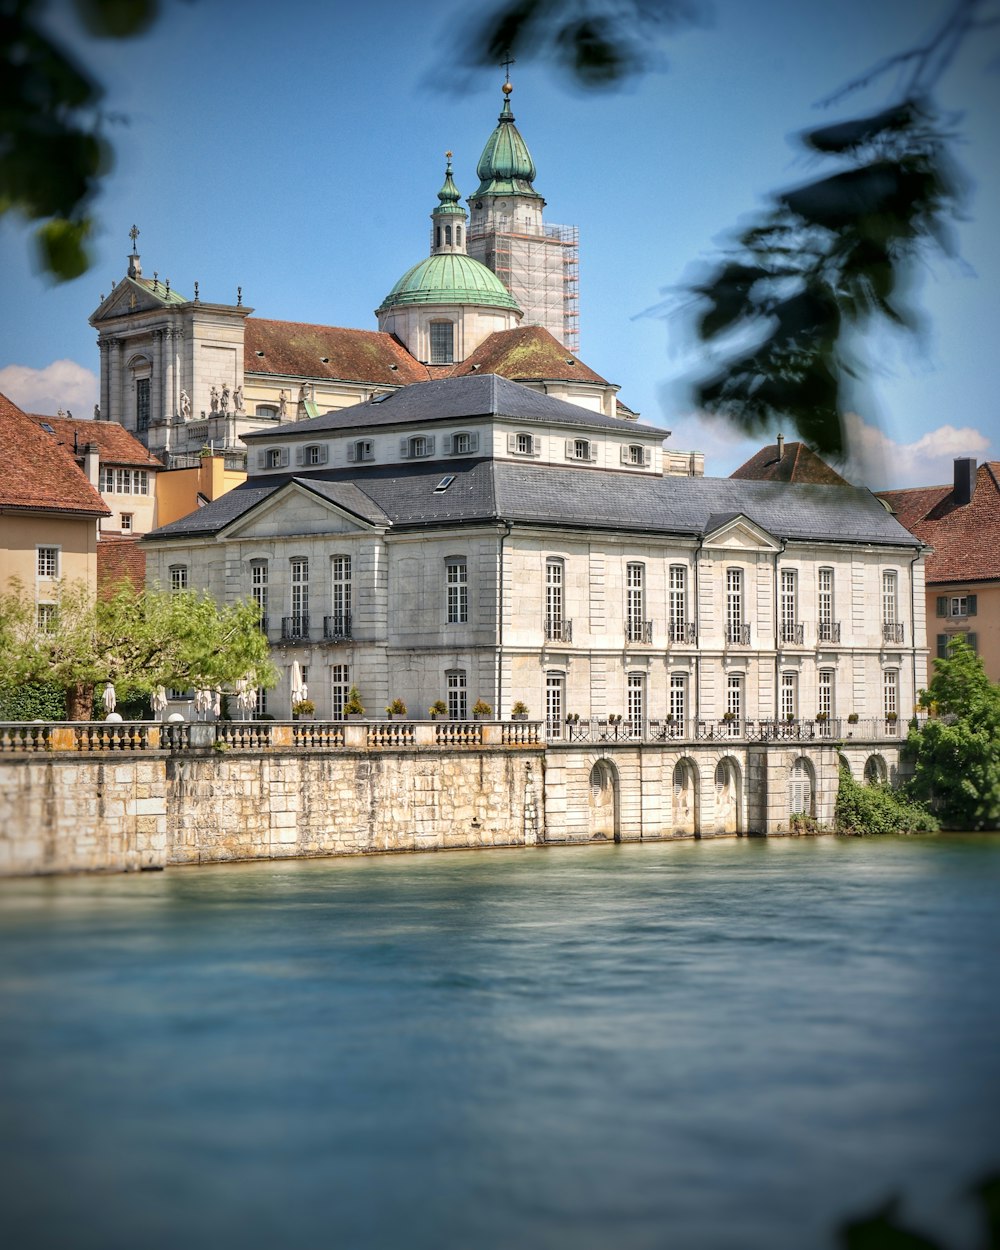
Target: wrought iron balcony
[
  {"x": 828, "y": 631},
  {"x": 262, "y": 624},
  {"x": 682, "y": 631},
  {"x": 638, "y": 631},
  {"x": 792, "y": 631},
  {"x": 558, "y": 629},
  {"x": 892, "y": 631},
  {"x": 337, "y": 627},
  {"x": 738, "y": 635},
  {"x": 294, "y": 628}
]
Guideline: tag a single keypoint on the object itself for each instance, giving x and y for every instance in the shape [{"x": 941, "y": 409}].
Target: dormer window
[
  {"x": 635, "y": 453},
  {"x": 363, "y": 449},
  {"x": 464, "y": 443},
  {"x": 272, "y": 458},
  {"x": 442, "y": 342},
  {"x": 580, "y": 449},
  {"x": 416, "y": 446},
  {"x": 269, "y": 411},
  {"x": 316, "y": 453},
  {"x": 524, "y": 444}
]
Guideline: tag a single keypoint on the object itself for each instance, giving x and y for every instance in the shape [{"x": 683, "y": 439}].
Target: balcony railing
[
  {"x": 828, "y": 631},
  {"x": 738, "y": 635},
  {"x": 638, "y": 631},
  {"x": 262, "y": 624},
  {"x": 558, "y": 629},
  {"x": 294, "y": 628},
  {"x": 892, "y": 631},
  {"x": 336, "y": 628},
  {"x": 792, "y": 632},
  {"x": 682, "y": 631}
]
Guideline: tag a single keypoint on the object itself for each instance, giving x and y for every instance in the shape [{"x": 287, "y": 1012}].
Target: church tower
[{"x": 538, "y": 263}]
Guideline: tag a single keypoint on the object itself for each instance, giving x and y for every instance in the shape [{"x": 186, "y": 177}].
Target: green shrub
[
  {"x": 33, "y": 701},
  {"x": 864, "y": 809}
]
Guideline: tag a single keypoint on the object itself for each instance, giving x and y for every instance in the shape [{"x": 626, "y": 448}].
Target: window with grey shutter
[
  {"x": 300, "y": 455},
  {"x": 284, "y": 457},
  {"x": 446, "y": 445},
  {"x": 404, "y": 447},
  {"x": 352, "y": 452},
  {"x": 942, "y": 605},
  {"x": 942, "y": 646},
  {"x": 971, "y": 605},
  {"x": 262, "y": 460}
]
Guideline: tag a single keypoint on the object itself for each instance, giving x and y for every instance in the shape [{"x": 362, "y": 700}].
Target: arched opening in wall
[
  {"x": 728, "y": 796},
  {"x": 138, "y": 401},
  {"x": 845, "y": 763},
  {"x": 604, "y": 822},
  {"x": 685, "y": 798},
  {"x": 876, "y": 772},
  {"x": 802, "y": 789}
]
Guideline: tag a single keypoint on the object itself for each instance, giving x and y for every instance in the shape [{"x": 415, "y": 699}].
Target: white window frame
[
  {"x": 789, "y": 695},
  {"x": 735, "y": 689},
  {"x": 677, "y": 601},
  {"x": 635, "y": 703},
  {"x": 824, "y": 603},
  {"x": 555, "y": 704},
  {"x": 890, "y": 597},
  {"x": 341, "y": 576},
  {"x": 826, "y": 682},
  {"x": 178, "y": 578},
  {"x": 458, "y": 694},
  {"x": 789, "y": 603},
  {"x": 456, "y": 590},
  {"x": 45, "y": 617},
  {"x": 677, "y": 706},
  {"x": 259, "y": 576},
  {"x": 298, "y": 585},
  {"x": 340, "y": 688},
  {"x": 47, "y": 561},
  {"x": 734, "y": 604},
  {"x": 890, "y": 691},
  {"x": 635, "y": 600},
  {"x": 555, "y": 596}
]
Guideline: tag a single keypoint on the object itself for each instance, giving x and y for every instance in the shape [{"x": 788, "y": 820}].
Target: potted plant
[
  {"x": 852, "y": 719},
  {"x": 519, "y": 710},
  {"x": 437, "y": 708},
  {"x": 396, "y": 708},
  {"x": 822, "y": 718},
  {"x": 790, "y": 718},
  {"x": 481, "y": 710},
  {"x": 614, "y": 718},
  {"x": 890, "y": 718},
  {"x": 729, "y": 717},
  {"x": 304, "y": 709},
  {"x": 353, "y": 708}
]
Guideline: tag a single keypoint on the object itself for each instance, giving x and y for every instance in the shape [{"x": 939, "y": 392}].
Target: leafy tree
[
  {"x": 956, "y": 752},
  {"x": 136, "y": 639}
]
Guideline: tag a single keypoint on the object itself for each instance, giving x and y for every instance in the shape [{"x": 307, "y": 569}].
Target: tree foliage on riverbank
[
  {"x": 135, "y": 639},
  {"x": 956, "y": 751},
  {"x": 878, "y": 809}
]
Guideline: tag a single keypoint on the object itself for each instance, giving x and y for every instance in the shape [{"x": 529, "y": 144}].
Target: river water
[{"x": 705, "y": 1045}]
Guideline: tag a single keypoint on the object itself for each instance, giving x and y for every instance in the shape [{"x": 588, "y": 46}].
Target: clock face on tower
[{"x": 503, "y": 206}]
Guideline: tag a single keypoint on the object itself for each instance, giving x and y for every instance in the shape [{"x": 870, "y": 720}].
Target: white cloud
[
  {"x": 63, "y": 384},
  {"x": 878, "y": 461}
]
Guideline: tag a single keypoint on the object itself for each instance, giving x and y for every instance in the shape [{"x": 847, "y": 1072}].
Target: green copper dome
[
  {"x": 449, "y": 278},
  {"x": 506, "y": 167}
]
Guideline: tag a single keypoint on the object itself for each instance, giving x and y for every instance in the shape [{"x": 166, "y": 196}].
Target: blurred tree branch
[{"x": 52, "y": 155}]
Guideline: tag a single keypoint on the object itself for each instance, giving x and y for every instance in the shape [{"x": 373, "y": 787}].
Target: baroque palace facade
[{"x": 455, "y": 507}]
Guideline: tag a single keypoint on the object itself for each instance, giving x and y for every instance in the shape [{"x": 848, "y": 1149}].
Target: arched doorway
[
  {"x": 802, "y": 788},
  {"x": 876, "y": 772},
  {"x": 604, "y": 801},
  {"x": 728, "y": 796},
  {"x": 685, "y": 805}
]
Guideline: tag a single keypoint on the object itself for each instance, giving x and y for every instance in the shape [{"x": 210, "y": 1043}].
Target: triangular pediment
[
  {"x": 294, "y": 510},
  {"x": 128, "y": 298},
  {"x": 738, "y": 533}
]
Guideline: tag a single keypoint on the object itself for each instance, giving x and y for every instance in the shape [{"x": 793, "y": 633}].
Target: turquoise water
[{"x": 704, "y": 1046}]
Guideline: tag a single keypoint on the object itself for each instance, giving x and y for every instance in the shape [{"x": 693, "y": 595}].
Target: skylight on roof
[
  {"x": 46, "y": 427},
  {"x": 377, "y": 399},
  {"x": 443, "y": 485}
]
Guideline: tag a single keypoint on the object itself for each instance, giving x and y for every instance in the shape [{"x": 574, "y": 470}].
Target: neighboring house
[
  {"x": 49, "y": 512},
  {"x": 961, "y": 523},
  {"x": 496, "y": 295},
  {"x": 788, "y": 462},
  {"x": 471, "y": 538}
]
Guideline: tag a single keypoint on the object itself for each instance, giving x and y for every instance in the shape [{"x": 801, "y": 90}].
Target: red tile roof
[
  {"x": 293, "y": 348},
  {"x": 115, "y": 444},
  {"x": 798, "y": 463},
  {"x": 32, "y": 477},
  {"x": 527, "y": 354},
  {"x": 965, "y": 537},
  {"x": 118, "y": 560}
]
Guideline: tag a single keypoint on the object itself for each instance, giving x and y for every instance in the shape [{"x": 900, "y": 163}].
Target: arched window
[
  {"x": 555, "y": 703},
  {"x": 789, "y": 696},
  {"x": 447, "y": 234},
  {"x": 801, "y": 788},
  {"x": 442, "y": 343},
  {"x": 876, "y": 773},
  {"x": 555, "y": 618}
]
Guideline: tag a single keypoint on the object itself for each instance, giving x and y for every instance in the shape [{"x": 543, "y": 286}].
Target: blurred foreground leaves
[
  {"x": 52, "y": 152},
  {"x": 883, "y": 1229}
]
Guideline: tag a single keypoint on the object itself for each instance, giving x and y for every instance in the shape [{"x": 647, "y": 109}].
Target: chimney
[
  {"x": 92, "y": 463},
  {"x": 965, "y": 481},
  {"x": 781, "y": 445}
]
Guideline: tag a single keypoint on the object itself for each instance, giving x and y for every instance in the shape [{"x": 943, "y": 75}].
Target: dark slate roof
[
  {"x": 450, "y": 399},
  {"x": 484, "y": 490}
]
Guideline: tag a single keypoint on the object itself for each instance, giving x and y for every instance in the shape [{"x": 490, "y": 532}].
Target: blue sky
[{"x": 296, "y": 149}]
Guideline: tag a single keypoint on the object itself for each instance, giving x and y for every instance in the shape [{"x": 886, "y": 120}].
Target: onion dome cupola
[
  {"x": 506, "y": 167},
  {"x": 448, "y": 230}
]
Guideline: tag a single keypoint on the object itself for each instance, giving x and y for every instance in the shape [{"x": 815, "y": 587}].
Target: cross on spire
[
  {"x": 133, "y": 234},
  {"x": 505, "y": 65}
]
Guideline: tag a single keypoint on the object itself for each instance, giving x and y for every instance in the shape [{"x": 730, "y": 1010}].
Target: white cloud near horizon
[
  {"x": 63, "y": 384},
  {"x": 876, "y": 460}
]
